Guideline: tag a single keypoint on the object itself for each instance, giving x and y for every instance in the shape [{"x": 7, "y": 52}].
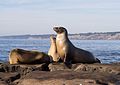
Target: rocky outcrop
[
  {"x": 10, "y": 73},
  {"x": 59, "y": 74}
]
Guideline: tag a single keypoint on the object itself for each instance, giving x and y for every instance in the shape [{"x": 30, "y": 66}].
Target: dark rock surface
[
  {"x": 59, "y": 74},
  {"x": 10, "y": 73}
]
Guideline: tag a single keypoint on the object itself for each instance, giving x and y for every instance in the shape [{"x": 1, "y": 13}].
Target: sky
[{"x": 18, "y": 17}]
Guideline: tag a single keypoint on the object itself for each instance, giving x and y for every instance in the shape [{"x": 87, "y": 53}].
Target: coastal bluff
[{"x": 59, "y": 74}]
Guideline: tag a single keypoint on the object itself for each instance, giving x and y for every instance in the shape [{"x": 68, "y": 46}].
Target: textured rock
[
  {"x": 108, "y": 68},
  {"x": 68, "y": 78},
  {"x": 86, "y": 74},
  {"x": 22, "y": 67},
  {"x": 10, "y": 73},
  {"x": 3, "y": 83},
  {"x": 57, "y": 67},
  {"x": 59, "y": 82},
  {"x": 55, "y": 78},
  {"x": 8, "y": 77},
  {"x": 60, "y": 74}
]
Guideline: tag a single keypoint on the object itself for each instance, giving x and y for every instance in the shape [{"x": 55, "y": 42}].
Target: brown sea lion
[
  {"x": 68, "y": 52},
  {"x": 20, "y": 56},
  {"x": 53, "y": 50}
]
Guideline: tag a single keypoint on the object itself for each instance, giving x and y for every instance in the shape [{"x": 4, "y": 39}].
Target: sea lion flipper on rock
[
  {"x": 67, "y": 61},
  {"x": 97, "y": 60},
  {"x": 68, "y": 52}
]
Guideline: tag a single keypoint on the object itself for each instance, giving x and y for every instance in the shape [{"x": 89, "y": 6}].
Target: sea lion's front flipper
[{"x": 67, "y": 61}]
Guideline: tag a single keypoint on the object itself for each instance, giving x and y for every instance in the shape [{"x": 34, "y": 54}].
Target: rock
[
  {"x": 116, "y": 63},
  {"x": 117, "y": 83},
  {"x": 68, "y": 78},
  {"x": 58, "y": 82},
  {"x": 60, "y": 74},
  {"x": 57, "y": 67},
  {"x": 108, "y": 68},
  {"x": 62, "y": 66},
  {"x": 55, "y": 78},
  {"x": 21, "y": 67},
  {"x": 86, "y": 74},
  {"x": 12, "y": 73},
  {"x": 9, "y": 77},
  {"x": 3, "y": 83}
]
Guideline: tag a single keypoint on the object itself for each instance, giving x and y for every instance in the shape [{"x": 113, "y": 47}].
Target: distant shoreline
[{"x": 79, "y": 36}]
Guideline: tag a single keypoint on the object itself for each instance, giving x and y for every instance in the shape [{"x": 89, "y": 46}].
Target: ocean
[{"x": 108, "y": 51}]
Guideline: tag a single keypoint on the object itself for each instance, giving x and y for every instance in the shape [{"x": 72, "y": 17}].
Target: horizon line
[{"x": 55, "y": 34}]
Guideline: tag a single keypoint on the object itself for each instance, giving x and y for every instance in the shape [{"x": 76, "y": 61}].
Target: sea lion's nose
[{"x": 55, "y": 28}]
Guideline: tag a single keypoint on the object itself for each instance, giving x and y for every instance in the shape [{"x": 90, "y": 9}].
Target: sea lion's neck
[{"x": 62, "y": 37}]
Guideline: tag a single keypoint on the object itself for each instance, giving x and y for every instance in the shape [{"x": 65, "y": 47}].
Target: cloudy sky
[{"x": 40, "y": 16}]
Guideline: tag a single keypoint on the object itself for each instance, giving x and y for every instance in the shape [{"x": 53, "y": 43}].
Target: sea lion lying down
[
  {"x": 20, "y": 56},
  {"x": 68, "y": 52}
]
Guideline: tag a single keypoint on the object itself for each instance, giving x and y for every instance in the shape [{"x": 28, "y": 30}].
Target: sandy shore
[{"x": 59, "y": 74}]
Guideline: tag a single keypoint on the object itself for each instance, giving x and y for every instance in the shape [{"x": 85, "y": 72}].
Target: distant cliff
[
  {"x": 81, "y": 36},
  {"x": 26, "y": 36},
  {"x": 96, "y": 36}
]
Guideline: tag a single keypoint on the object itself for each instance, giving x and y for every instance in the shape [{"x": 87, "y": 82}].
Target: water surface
[{"x": 106, "y": 50}]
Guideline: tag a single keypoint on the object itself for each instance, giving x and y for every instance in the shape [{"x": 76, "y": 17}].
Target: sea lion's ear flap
[
  {"x": 64, "y": 29},
  {"x": 61, "y": 27}
]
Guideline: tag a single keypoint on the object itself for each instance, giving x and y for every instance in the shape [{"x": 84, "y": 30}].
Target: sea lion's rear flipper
[{"x": 97, "y": 60}]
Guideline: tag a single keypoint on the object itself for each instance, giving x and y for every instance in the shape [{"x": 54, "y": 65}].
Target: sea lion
[
  {"x": 20, "y": 56},
  {"x": 68, "y": 52},
  {"x": 53, "y": 50}
]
